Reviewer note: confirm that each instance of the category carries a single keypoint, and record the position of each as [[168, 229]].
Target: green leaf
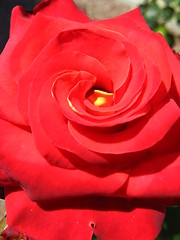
[[94, 237], [178, 18], [176, 237], [161, 29], [151, 14], [165, 14]]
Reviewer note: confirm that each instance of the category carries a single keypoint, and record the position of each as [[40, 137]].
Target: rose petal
[[127, 93], [61, 9], [70, 90], [108, 218], [146, 41], [96, 46], [55, 118], [12, 65], [136, 81], [148, 97], [54, 47], [135, 16], [20, 21], [137, 136], [177, 55], [32, 48], [156, 177], [55, 65], [8, 88], [175, 67], [51, 49], [46, 139], [20, 161], [169, 143]]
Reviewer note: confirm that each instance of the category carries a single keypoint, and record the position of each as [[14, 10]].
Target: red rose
[[90, 123]]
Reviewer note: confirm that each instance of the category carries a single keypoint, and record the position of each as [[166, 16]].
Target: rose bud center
[[100, 98]]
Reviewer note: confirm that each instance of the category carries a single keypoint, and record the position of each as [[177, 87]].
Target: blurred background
[[161, 15]]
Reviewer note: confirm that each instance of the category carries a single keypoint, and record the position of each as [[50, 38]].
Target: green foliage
[[94, 237], [158, 13], [171, 226]]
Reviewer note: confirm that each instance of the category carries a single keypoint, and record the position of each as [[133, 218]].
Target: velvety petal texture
[[89, 125], [79, 218]]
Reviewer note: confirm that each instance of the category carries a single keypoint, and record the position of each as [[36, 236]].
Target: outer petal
[[136, 16], [21, 162], [158, 177], [175, 67], [78, 218], [8, 89], [61, 9], [177, 55], [20, 21]]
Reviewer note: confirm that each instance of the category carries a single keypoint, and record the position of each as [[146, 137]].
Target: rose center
[[100, 98]]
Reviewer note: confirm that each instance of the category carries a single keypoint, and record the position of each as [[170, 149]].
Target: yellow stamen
[[101, 98]]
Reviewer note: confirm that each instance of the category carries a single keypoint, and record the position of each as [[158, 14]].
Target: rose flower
[[90, 125]]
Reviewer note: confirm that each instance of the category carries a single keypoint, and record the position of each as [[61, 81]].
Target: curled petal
[[61, 9], [138, 135], [20, 21], [96, 45], [146, 41]]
